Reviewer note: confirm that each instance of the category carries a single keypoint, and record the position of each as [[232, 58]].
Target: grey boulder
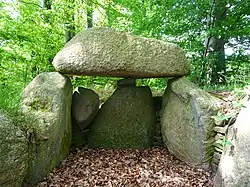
[[85, 105], [46, 106], [187, 126], [13, 153], [108, 52], [125, 120], [234, 166]]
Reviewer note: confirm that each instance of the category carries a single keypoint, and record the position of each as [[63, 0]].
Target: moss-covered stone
[[13, 153], [46, 107], [126, 120], [187, 126]]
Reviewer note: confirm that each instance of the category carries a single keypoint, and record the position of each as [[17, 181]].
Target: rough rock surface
[[13, 153], [108, 52], [46, 106], [187, 126], [234, 166], [127, 82], [85, 105], [126, 120]]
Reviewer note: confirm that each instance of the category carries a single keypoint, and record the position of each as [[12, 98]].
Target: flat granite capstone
[[109, 52]]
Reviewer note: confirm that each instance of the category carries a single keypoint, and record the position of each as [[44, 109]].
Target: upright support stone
[[126, 120], [234, 166], [187, 126], [13, 153], [46, 106]]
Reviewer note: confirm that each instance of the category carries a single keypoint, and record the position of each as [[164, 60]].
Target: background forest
[[215, 35]]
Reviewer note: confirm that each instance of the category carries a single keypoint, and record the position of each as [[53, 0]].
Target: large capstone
[[46, 106], [126, 120], [234, 166], [108, 52], [187, 126], [13, 153]]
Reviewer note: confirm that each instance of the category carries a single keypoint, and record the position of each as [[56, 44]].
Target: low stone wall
[[220, 141]]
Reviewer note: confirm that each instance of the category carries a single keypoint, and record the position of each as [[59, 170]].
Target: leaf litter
[[152, 167]]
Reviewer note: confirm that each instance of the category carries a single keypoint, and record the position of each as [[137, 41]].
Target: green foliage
[[31, 34], [10, 98], [224, 142], [237, 102], [223, 117]]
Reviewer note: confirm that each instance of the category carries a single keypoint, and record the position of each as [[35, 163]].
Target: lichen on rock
[[109, 52], [46, 106], [187, 126], [13, 152], [126, 120]]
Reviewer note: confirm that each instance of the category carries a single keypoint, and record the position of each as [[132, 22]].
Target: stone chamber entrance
[[151, 140]]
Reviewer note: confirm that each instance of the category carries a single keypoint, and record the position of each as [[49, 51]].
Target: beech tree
[[33, 31], [202, 28]]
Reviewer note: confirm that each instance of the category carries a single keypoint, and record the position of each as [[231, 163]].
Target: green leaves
[[224, 142], [31, 34], [223, 117]]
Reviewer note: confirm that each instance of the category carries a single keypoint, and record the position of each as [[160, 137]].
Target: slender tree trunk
[[89, 14], [47, 4], [70, 29], [214, 61], [109, 15], [219, 71]]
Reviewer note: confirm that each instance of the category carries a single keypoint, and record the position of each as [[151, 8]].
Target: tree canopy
[[33, 31]]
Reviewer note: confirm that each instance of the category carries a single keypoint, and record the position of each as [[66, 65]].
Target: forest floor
[[154, 167]]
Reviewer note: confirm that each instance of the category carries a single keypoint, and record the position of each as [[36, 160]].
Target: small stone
[[219, 122], [216, 158], [126, 82], [85, 105], [219, 137], [221, 130]]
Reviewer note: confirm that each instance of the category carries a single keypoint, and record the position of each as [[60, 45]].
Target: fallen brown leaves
[[131, 168]]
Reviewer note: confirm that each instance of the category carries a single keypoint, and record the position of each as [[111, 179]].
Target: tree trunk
[[215, 52], [70, 29], [89, 14], [47, 4], [218, 62], [219, 70]]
